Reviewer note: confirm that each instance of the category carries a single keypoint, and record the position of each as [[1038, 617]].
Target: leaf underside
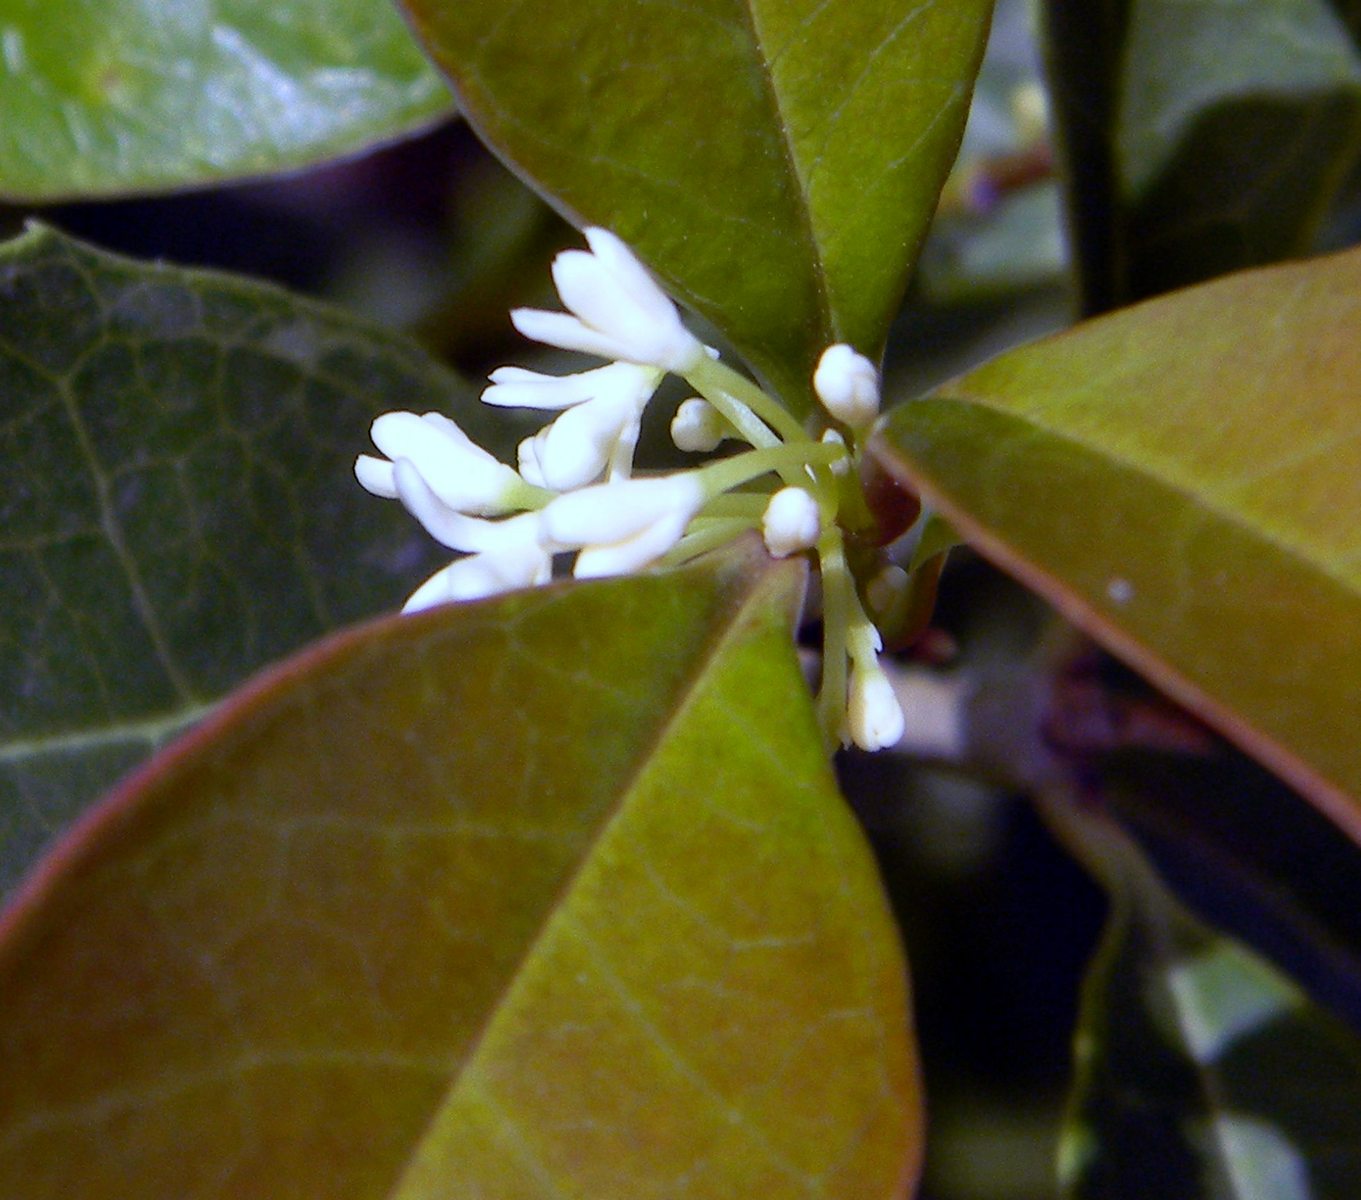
[[548, 895], [1182, 480]]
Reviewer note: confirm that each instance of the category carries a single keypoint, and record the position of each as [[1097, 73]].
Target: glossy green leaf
[[179, 506], [551, 895], [1200, 137], [109, 96], [1182, 479], [776, 161], [1202, 1071]]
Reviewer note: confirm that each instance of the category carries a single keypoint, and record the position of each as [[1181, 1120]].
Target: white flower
[[622, 527], [616, 310], [479, 575], [599, 429], [792, 522], [462, 474], [848, 385], [698, 426], [874, 718]]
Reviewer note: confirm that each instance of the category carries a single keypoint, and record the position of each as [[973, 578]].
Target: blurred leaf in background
[[102, 97]]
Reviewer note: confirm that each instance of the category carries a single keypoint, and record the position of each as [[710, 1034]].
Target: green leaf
[[110, 96], [548, 895], [1200, 137], [179, 505], [1202, 1071], [776, 161], [1182, 479]]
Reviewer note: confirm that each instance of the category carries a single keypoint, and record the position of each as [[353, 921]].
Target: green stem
[[789, 462], [726, 390], [746, 505], [838, 592], [709, 536]]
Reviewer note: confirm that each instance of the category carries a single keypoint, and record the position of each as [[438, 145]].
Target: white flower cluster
[[574, 490]]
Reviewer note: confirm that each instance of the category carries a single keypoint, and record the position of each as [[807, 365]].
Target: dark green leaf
[[179, 506], [1202, 1071], [1200, 137], [544, 896], [107, 96], [776, 161]]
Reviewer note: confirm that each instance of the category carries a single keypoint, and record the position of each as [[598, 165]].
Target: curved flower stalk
[[574, 490]]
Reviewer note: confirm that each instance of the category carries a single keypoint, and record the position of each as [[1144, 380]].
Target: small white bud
[[792, 522], [698, 426], [848, 385], [874, 718]]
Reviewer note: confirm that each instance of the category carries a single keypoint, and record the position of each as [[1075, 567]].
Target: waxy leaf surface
[[1183, 479], [552, 895], [1200, 137], [776, 161], [179, 506], [1202, 1072], [110, 96]]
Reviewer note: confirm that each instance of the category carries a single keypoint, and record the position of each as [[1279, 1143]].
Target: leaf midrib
[[1169, 480], [803, 204], [722, 634]]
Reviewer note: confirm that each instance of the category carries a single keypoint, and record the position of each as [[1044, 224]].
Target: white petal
[[441, 522], [515, 387], [566, 332], [630, 274], [530, 456], [458, 471], [792, 522], [375, 475], [481, 575], [580, 443], [611, 512]]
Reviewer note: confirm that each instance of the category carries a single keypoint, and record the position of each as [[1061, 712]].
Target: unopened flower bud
[[792, 522], [874, 718], [697, 426], [848, 385]]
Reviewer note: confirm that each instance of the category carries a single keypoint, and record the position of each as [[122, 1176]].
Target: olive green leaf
[[111, 96], [549, 895], [1183, 480], [1201, 1070], [776, 161], [1200, 137], [179, 506]]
